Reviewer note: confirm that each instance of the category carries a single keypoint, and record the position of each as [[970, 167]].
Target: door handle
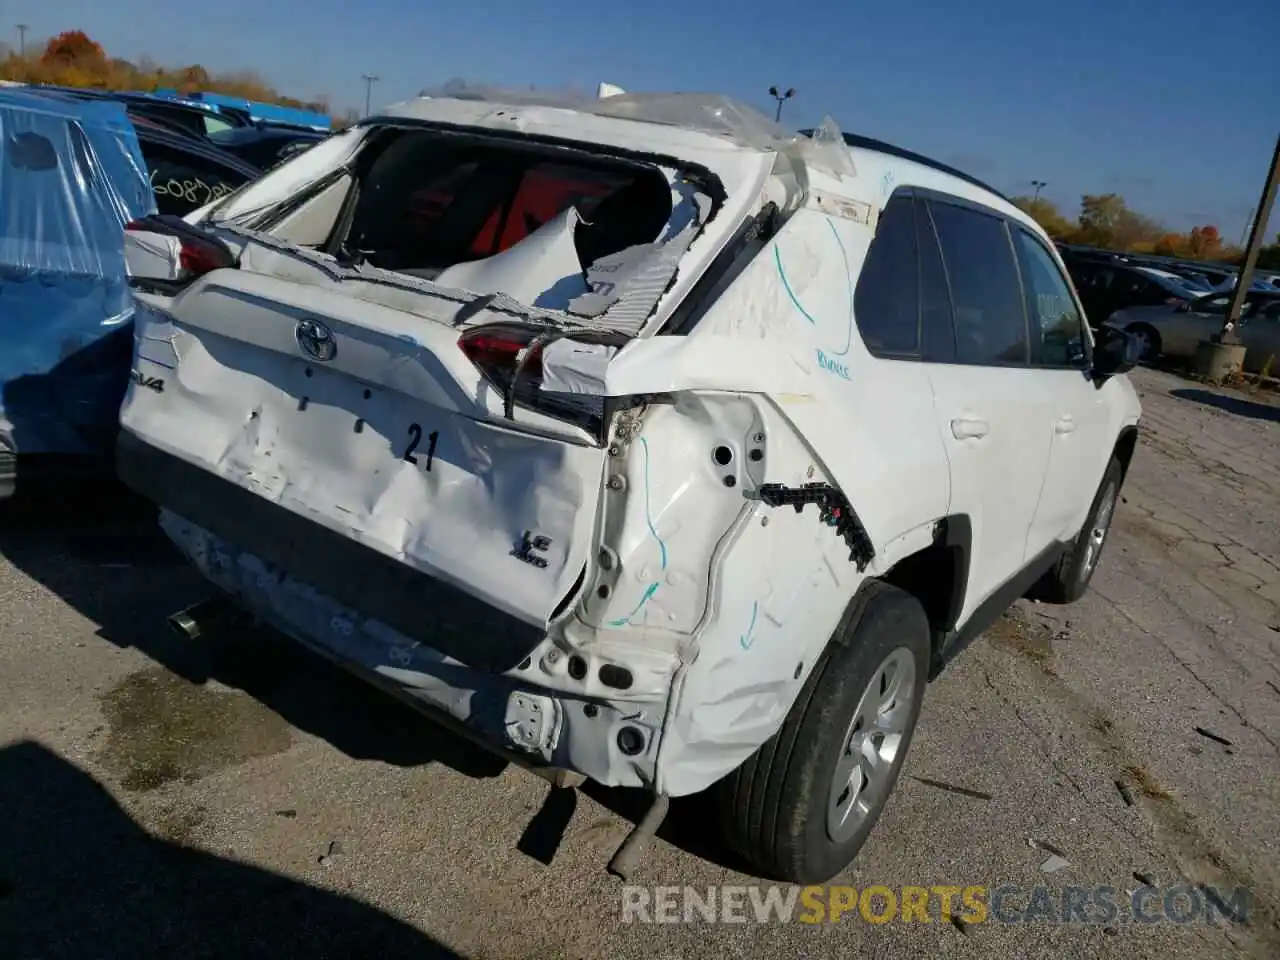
[[1064, 424], [964, 428]]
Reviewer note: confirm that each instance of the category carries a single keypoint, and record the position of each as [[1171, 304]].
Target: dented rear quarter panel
[[751, 594]]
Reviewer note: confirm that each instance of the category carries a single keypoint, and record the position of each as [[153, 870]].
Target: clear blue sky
[[1155, 101]]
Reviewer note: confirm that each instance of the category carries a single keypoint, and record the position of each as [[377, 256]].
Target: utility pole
[[781, 98], [1244, 232], [369, 80], [1039, 185], [1256, 235], [22, 39]]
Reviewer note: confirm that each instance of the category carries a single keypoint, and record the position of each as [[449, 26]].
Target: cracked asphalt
[[239, 798]]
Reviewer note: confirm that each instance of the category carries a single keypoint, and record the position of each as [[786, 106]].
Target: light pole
[[1245, 278], [369, 80], [22, 39], [1039, 185], [781, 98]]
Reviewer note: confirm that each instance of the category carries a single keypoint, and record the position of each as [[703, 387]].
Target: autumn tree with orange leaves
[[74, 59], [1106, 221]]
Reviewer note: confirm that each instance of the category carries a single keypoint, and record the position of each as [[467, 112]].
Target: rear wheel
[[800, 808], [1148, 340], [1069, 578]]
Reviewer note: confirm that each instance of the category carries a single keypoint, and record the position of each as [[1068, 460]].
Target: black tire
[[1068, 579], [1154, 347], [774, 807]]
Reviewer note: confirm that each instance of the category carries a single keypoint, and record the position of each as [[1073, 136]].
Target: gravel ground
[[242, 799]]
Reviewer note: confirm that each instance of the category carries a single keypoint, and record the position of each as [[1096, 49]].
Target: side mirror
[[1114, 353]]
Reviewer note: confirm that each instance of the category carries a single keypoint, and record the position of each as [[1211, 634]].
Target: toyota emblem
[[315, 339]]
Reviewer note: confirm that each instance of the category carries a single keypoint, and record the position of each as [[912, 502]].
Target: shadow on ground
[[103, 554], [79, 878], [1236, 405]]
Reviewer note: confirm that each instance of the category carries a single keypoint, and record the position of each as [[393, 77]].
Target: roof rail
[[869, 143]]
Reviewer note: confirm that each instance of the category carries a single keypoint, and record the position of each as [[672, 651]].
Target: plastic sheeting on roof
[[71, 176], [709, 113]]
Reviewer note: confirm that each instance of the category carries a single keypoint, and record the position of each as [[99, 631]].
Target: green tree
[[1106, 221], [1269, 256], [1047, 214]]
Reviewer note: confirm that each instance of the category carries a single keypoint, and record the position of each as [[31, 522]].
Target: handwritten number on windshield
[[193, 191]]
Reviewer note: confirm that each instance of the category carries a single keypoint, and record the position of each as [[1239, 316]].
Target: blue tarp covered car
[[71, 177]]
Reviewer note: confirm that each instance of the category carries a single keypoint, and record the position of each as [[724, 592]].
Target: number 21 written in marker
[[415, 438]]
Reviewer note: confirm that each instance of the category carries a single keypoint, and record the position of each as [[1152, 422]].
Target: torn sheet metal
[[719, 116], [625, 287], [542, 270], [569, 366], [71, 177], [660, 365], [153, 255]]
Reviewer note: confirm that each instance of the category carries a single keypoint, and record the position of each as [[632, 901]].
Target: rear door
[[1079, 416], [993, 413]]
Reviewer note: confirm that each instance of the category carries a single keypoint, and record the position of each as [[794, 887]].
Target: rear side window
[[937, 327], [183, 181], [986, 293], [886, 303]]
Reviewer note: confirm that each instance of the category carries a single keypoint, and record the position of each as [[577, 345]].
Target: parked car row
[[1169, 305], [214, 136], [1176, 330], [1207, 275]]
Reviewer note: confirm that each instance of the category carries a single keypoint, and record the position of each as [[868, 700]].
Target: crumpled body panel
[[584, 741]]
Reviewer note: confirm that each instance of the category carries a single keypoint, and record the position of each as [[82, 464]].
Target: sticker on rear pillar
[[830, 360]]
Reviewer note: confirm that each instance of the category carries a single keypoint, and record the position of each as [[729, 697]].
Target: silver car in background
[[1175, 331]]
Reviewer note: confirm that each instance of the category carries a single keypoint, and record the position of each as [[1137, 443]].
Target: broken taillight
[[510, 358], [496, 351]]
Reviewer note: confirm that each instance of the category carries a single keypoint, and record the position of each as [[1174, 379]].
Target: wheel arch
[[1126, 444], [938, 575]]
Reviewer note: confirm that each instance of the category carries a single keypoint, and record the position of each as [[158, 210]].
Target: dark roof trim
[[198, 148], [868, 143]]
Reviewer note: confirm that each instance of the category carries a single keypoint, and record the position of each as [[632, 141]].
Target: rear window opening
[[429, 201], [553, 227]]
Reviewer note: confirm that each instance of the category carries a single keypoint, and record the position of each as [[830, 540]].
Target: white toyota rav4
[[637, 438]]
